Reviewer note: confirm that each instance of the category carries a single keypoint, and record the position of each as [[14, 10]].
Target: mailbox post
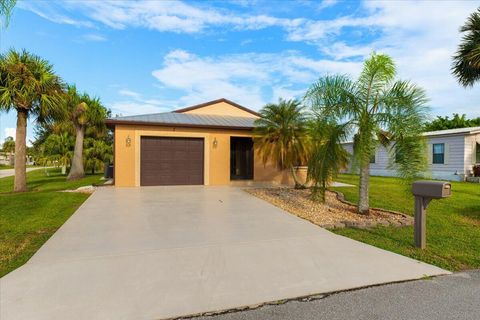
[[424, 192]]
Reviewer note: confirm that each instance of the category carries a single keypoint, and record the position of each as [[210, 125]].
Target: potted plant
[[476, 170]]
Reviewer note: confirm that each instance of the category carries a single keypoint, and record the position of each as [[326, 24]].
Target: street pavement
[[455, 296]]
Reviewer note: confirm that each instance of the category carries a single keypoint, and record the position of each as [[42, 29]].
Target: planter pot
[[476, 170]]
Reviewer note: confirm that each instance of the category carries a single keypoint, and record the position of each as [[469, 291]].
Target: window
[[438, 153], [372, 158], [478, 152], [398, 156]]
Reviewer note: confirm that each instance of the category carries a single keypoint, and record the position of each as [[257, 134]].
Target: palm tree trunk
[[298, 185], [20, 184], [363, 206], [77, 171]]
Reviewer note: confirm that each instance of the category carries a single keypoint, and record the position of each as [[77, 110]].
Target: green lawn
[[453, 224], [28, 219]]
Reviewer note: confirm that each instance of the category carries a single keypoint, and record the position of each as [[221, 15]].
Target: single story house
[[451, 154], [206, 144]]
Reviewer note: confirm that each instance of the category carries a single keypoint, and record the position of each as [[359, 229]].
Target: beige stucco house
[[206, 144]]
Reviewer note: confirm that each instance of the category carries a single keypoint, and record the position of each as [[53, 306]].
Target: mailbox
[[424, 192], [432, 189]]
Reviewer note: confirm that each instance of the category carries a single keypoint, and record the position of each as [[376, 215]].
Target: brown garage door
[[171, 161]]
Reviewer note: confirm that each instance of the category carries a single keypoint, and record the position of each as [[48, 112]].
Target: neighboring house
[[7, 158], [206, 144], [451, 154]]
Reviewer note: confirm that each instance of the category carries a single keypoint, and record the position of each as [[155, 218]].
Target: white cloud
[[250, 79], [126, 108], [421, 38], [93, 37], [9, 132], [172, 16], [46, 11], [327, 3], [134, 103], [129, 93]]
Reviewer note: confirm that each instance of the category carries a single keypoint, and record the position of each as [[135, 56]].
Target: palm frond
[[6, 10], [466, 61], [333, 97]]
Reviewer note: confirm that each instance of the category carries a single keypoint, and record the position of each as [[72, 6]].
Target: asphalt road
[[455, 296]]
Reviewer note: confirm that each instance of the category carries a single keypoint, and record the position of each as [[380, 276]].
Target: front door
[[241, 158]]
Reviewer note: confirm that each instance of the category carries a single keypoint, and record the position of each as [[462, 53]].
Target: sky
[[155, 56]]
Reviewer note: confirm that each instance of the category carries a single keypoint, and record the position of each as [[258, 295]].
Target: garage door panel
[[171, 161]]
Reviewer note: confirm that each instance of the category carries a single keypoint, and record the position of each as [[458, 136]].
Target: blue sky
[[148, 56]]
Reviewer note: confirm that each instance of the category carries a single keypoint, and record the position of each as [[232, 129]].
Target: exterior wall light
[[128, 141], [215, 142]]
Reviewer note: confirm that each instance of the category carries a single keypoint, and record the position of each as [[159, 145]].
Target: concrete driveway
[[160, 252]]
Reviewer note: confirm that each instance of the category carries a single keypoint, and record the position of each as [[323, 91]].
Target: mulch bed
[[334, 213]]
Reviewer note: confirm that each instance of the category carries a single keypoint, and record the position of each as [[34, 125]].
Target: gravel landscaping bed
[[334, 213]]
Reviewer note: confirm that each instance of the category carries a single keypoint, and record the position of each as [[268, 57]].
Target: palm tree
[[29, 85], [97, 153], [466, 61], [327, 155], [8, 145], [281, 135], [57, 150], [84, 111], [379, 109], [8, 148]]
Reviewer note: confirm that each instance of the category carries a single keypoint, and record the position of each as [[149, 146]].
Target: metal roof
[[447, 132], [452, 131], [184, 119]]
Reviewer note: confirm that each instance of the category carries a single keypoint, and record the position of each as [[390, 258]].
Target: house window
[[438, 153], [398, 156], [372, 158], [478, 152]]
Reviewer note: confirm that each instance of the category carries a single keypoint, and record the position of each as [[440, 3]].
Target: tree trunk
[[20, 184], [363, 206], [298, 185], [77, 171]]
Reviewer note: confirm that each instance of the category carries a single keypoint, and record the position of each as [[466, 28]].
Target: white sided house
[[451, 154]]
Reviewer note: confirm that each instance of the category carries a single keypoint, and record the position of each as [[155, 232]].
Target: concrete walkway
[[11, 172], [160, 252]]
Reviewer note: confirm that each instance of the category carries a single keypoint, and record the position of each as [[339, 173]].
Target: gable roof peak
[[209, 103]]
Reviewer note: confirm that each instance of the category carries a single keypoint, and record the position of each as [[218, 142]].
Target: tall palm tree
[[29, 85], [84, 111], [379, 109], [281, 135], [466, 61]]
